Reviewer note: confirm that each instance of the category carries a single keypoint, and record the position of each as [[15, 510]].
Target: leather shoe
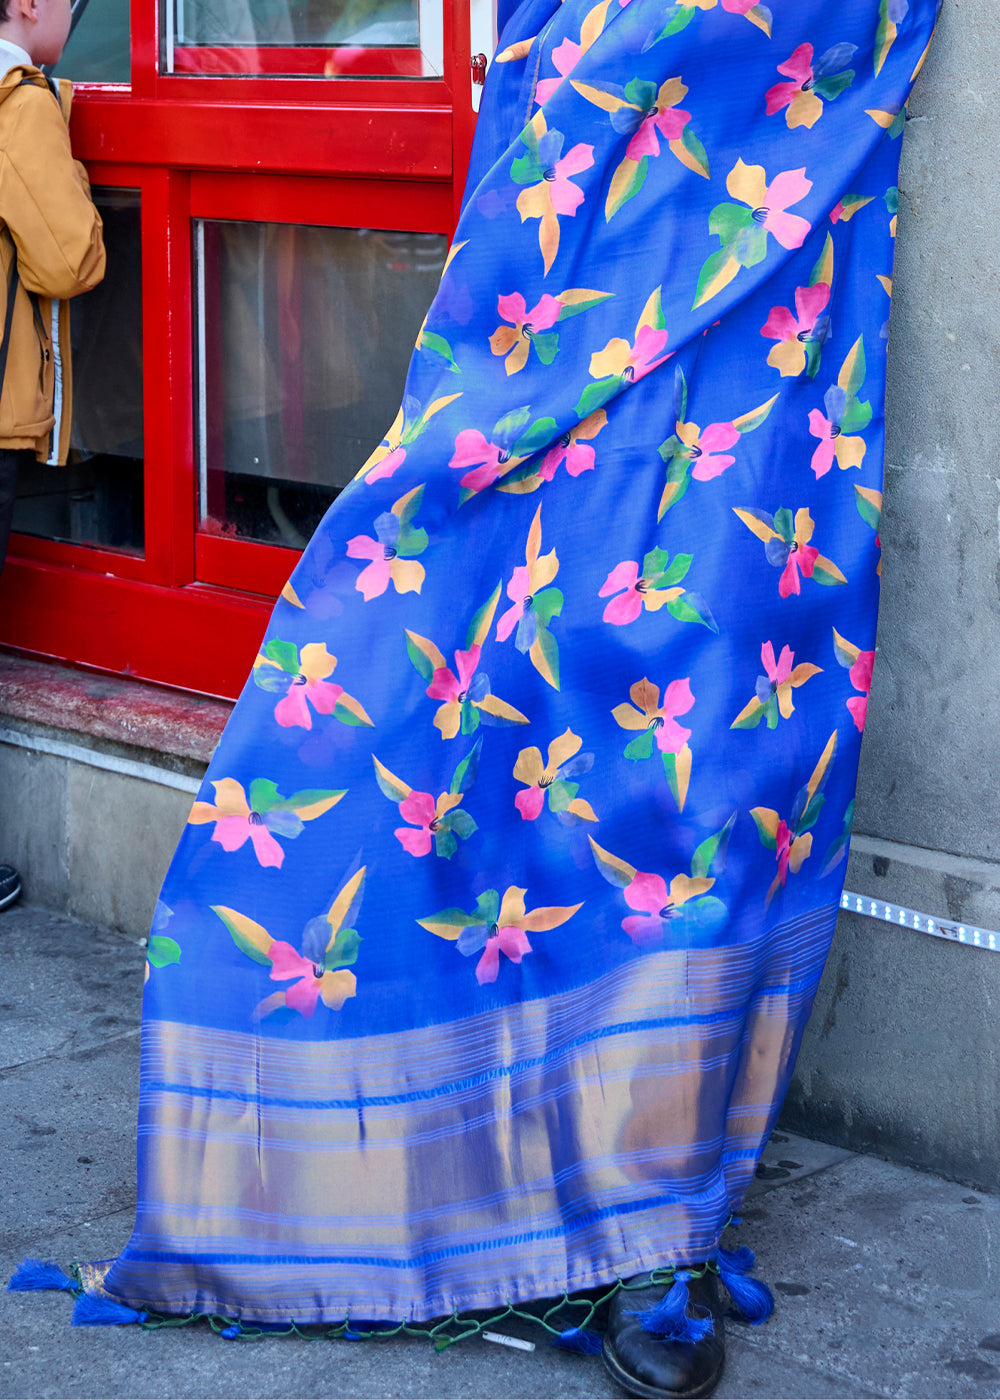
[[650, 1366]]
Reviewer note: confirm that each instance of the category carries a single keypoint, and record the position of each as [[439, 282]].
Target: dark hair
[[3, 12]]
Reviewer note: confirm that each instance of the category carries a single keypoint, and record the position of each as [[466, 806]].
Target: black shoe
[[646, 1365], [10, 885]]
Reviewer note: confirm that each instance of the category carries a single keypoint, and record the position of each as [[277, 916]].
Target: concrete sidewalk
[[887, 1280]]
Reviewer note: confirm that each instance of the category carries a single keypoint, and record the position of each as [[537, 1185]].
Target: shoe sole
[[9, 899], [649, 1392]]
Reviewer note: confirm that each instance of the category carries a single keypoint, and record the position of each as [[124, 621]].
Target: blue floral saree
[[480, 971]]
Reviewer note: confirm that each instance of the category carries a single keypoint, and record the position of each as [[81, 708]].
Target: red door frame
[[343, 152]]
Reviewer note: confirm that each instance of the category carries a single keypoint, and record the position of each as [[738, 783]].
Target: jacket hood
[[14, 77]]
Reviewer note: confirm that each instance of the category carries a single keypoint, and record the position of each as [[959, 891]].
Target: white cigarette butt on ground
[[508, 1341]]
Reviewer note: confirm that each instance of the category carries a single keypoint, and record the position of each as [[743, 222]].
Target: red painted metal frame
[[336, 62], [377, 153]]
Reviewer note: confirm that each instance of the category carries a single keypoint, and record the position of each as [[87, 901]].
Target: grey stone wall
[[903, 1051]]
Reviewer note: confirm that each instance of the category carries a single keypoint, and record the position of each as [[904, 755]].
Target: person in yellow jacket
[[51, 248]]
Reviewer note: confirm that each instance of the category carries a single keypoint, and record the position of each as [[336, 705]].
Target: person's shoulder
[[23, 80], [27, 96]]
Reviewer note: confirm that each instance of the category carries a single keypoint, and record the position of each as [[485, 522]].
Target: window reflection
[[317, 38], [304, 338], [297, 22], [97, 498], [98, 48]]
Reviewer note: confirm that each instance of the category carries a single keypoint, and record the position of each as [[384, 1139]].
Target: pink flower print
[[783, 842], [668, 122], [304, 676], [799, 336], [258, 820], [769, 202], [496, 926], [786, 547], [407, 575], [573, 450], [424, 815], [773, 692], [546, 174], [791, 850], [677, 700], [490, 459], [859, 665], [801, 560], [792, 840], [800, 99], [308, 986], [707, 448], [410, 422], [660, 721], [564, 196], [657, 904], [777, 672], [627, 605], [511, 941], [472, 450], [235, 823], [549, 779], [533, 605], [861, 679], [386, 464], [630, 362], [847, 451], [514, 340], [310, 688], [804, 107], [565, 57], [456, 690], [420, 810], [320, 971], [635, 591]]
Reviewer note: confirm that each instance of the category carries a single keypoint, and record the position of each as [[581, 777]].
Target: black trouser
[[11, 458]]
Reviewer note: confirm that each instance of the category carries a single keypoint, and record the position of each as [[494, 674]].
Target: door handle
[[483, 42]]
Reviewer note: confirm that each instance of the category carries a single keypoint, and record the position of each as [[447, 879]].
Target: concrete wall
[[89, 841], [903, 1051]]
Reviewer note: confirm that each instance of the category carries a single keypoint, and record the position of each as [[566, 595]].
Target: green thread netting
[[444, 1333]]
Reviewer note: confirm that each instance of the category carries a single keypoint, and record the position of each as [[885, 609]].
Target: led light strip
[[922, 923]]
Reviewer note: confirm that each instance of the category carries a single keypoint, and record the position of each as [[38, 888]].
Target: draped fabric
[[481, 968]]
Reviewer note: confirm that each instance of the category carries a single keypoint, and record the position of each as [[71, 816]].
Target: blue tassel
[[669, 1317], [38, 1274], [751, 1297], [579, 1339], [93, 1311], [231, 1333]]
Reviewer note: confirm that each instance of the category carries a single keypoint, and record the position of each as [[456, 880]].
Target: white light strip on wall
[[94, 758], [923, 923]]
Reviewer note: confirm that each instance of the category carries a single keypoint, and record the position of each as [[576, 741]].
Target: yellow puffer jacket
[[46, 213]]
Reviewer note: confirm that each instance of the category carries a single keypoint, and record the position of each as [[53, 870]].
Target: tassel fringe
[[669, 1317], [751, 1297], [93, 1311], [36, 1275], [579, 1339]]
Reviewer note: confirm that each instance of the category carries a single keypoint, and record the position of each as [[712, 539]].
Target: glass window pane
[[304, 336], [97, 498], [312, 38], [98, 47]]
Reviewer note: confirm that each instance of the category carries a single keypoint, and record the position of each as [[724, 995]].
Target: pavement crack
[[66, 1054]]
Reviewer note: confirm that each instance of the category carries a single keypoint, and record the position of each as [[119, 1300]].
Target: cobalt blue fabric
[[482, 965]]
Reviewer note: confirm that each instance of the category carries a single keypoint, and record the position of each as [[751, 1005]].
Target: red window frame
[[344, 152]]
